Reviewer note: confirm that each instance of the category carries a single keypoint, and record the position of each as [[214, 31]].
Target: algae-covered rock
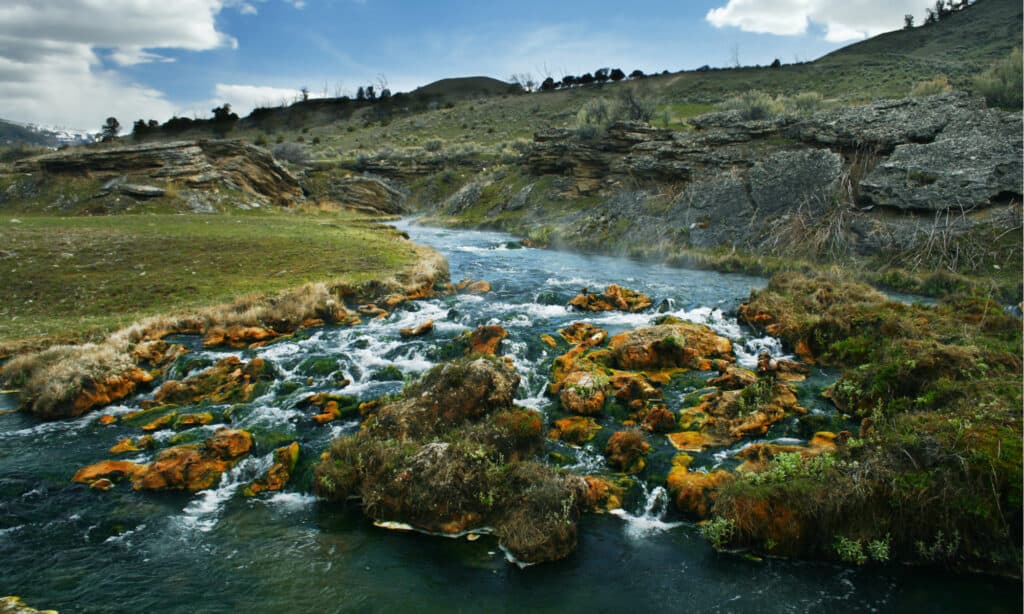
[[576, 430], [485, 339], [228, 381], [195, 467], [583, 333], [14, 605], [583, 392], [279, 473], [626, 451]]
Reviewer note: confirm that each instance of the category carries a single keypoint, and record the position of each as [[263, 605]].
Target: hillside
[[465, 87]]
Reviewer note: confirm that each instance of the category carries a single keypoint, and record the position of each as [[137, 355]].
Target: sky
[[73, 63]]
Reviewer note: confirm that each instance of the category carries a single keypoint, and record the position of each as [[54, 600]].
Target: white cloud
[[245, 98], [50, 65], [843, 20]]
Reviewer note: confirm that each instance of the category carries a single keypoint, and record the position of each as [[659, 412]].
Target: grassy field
[[76, 278]]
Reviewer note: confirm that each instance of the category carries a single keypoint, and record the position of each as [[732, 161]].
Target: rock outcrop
[[366, 194], [204, 167]]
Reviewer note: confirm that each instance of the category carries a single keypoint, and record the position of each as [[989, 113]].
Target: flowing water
[[67, 547]]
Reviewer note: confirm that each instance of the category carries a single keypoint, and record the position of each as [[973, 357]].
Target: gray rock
[[973, 162], [791, 180], [884, 124]]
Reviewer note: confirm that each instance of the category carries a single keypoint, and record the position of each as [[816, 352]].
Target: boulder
[[486, 339], [669, 346]]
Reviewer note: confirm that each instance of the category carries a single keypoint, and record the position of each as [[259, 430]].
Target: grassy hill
[[465, 87]]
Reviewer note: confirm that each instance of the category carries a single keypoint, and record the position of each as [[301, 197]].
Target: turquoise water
[[67, 547]]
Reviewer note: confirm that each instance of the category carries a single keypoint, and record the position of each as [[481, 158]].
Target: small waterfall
[[650, 518]]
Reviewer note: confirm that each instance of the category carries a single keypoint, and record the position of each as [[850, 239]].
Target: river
[[67, 547]]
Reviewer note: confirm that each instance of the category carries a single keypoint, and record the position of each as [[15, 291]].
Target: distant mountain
[[29, 134]]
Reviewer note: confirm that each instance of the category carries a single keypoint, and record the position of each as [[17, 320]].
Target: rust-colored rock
[[477, 287], [128, 445], [107, 420], [626, 451], [189, 420], [734, 377], [238, 336], [110, 470], [633, 389], [195, 467], [279, 473], [99, 393], [486, 339], [603, 493], [583, 333], [783, 370], [417, 331], [548, 340], [373, 311], [695, 492], [161, 422], [659, 419], [583, 393], [613, 298], [669, 346], [576, 430], [156, 352]]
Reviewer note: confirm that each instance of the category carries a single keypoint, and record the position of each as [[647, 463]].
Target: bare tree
[[523, 80], [734, 55], [304, 91]]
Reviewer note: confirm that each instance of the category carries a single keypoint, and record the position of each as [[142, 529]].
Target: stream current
[[67, 547]]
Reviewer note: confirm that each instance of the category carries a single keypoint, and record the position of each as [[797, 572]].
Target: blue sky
[[73, 62]]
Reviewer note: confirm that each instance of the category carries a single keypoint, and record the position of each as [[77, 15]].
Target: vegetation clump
[[1002, 84], [452, 455], [938, 393]]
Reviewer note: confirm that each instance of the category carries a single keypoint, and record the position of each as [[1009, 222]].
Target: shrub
[[291, 152], [261, 140], [433, 145], [753, 105], [718, 532], [805, 102], [938, 85], [1001, 85]]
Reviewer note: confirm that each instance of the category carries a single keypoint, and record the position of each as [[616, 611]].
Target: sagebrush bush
[[938, 85], [753, 105], [291, 152], [805, 102], [1001, 85]]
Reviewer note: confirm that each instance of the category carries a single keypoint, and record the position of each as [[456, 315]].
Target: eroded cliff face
[[197, 172], [885, 177]]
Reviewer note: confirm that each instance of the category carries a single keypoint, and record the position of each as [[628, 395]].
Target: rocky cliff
[[201, 172], [891, 177]]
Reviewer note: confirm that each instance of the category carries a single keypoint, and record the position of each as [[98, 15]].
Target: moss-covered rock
[[453, 454]]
